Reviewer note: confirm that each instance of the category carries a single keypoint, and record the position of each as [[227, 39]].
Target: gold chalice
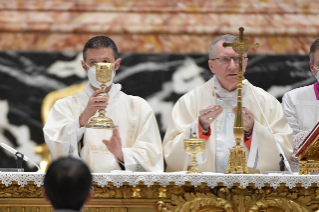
[[194, 146], [103, 75]]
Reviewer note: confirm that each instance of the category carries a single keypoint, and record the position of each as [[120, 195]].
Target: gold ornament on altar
[[103, 75], [237, 163], [194, 146]]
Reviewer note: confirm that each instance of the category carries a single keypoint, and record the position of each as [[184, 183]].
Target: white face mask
[[92, 76]]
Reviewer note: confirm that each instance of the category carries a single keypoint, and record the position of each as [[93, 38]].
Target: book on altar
[[309, 148]]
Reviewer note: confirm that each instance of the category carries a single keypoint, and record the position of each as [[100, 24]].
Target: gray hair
[[313, 48], [227, 38]]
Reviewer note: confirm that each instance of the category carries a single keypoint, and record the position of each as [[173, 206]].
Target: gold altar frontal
[[186, 197]]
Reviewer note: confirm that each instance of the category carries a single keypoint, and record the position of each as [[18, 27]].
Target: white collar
[[113, 93], [222, 92]]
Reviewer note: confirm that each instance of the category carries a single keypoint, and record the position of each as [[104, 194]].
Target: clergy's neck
[[107, 89], [229, 88]]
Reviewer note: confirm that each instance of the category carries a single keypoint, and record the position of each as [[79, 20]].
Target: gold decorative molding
[[136, 192], [15, 198], [25, 209], [239, 199], [19, 191], [162, 192]]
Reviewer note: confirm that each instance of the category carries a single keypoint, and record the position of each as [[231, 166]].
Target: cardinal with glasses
[[209, 111], [301, 106]]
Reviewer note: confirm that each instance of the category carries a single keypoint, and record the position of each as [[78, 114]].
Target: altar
[[159, 192]]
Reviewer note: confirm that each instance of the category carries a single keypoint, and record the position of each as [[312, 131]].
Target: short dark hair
[[313, 48], [100, 42], [67, 183]]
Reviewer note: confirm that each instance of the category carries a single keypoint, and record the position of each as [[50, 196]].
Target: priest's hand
[[208, 115], [114, 145], [95, 103], [248, 119]]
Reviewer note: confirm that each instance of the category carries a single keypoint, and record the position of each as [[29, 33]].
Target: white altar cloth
[[178, 178]]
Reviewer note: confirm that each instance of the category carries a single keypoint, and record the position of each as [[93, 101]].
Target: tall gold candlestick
[[237, 163]]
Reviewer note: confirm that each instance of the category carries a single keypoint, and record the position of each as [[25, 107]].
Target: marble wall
[[171, 26], [163, 44]]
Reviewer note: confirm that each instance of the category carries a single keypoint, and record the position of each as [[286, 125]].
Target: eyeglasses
[[225, 60], [317, 69]]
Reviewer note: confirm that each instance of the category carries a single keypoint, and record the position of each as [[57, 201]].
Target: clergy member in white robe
[[301, 106], [208, 110], [135, 145]]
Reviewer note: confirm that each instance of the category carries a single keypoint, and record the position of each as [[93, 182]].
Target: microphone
[[281, 152], [18, 154]]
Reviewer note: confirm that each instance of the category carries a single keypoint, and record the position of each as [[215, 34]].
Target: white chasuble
[[301, 108], [141, 142], [184, 120]]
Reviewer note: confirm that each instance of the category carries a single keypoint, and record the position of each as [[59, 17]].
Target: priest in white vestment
[[208, 111], [301, 106], [134, 146]]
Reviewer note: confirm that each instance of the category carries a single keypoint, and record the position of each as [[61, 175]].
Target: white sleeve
[[62, 131], [290, 113], [146, 154]]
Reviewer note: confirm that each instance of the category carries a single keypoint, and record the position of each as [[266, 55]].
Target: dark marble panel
[[27, 77]]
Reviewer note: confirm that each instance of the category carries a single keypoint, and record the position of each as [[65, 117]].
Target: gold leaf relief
[[198, 201], [127, 192], [18, 191], [304, 200], [105, 192]]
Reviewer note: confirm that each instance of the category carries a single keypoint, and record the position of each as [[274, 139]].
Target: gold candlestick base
[[194, 146], [237, 163]]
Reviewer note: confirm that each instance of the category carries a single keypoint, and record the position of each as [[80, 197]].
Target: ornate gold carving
[[308, 160], [162, 192], [306, 166], [104, 209], [106, 192], [19, 191], [160, 206], [311, 152], [23, 209], [178, 198], [240, 199], [136, 192]]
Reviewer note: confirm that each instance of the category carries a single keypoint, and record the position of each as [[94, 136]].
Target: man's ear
[[312, 69], [84, 66], [211, 67], [117, 64]]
